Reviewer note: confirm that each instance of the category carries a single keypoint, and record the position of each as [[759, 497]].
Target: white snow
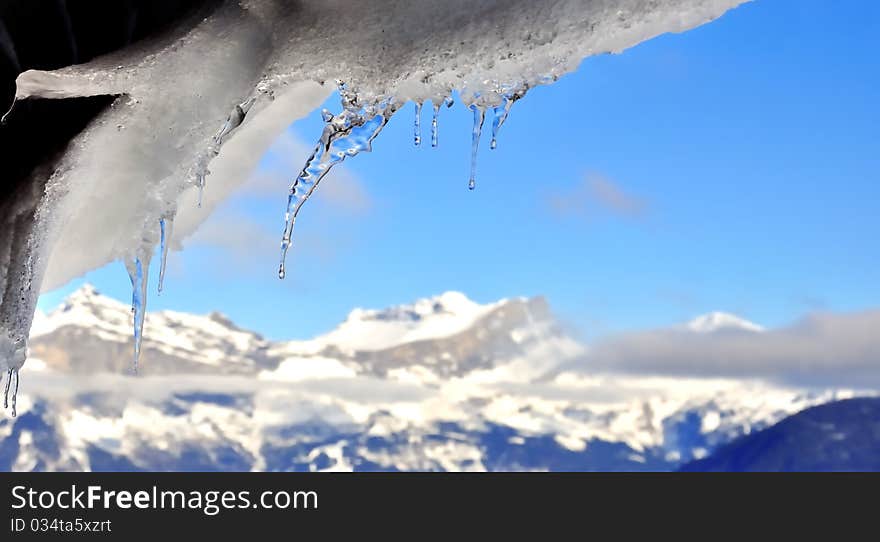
[[297, 369], [572, 407], [370, 330], [715, 321], [211, 339]]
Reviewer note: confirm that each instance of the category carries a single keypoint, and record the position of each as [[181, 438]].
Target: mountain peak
[[427, 318], [88, 298], [449, 303], [717, 320], [86, 291]]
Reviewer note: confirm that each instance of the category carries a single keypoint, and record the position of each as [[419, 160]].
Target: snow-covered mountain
[[442, 384], [719, 321]]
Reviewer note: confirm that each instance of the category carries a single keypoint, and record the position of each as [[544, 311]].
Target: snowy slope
[[91, 332], [430, 318]]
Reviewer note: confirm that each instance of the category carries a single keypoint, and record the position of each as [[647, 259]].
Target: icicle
[[138, 269], [479, 118], [236, 117], [417, 128], [510, 96], [5, 116], [6, 393], [435, 139], [10, 375], [166, 225], [434, 136], [501, 113], [344, 135], [233, 121], [200, 182], [15, 373]]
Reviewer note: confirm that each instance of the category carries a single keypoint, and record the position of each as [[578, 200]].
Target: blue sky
[[733, 167]]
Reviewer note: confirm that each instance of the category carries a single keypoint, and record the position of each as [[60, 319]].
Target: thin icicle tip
[[11, 374], [479, 119], [417, 125], [347, 134], [138, 269], [166, 227]]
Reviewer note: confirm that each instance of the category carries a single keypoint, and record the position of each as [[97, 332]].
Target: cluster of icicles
[[346, 134]]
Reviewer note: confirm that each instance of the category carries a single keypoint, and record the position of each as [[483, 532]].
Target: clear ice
[[417, 128], [435, 138], [236, 117], [138, 268], [502, 111], [10, 375], [166, 227], [347, 134], [233, 121], [479, 118]]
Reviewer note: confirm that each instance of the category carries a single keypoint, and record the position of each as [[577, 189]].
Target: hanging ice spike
[[138, 269], [501, 113], [166, 225], [479, 118], [509, 97], [417, 125], [347, 134], [435, 140], [10, 375], [233, 121]]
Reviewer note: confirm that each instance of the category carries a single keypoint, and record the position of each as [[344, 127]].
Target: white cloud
[[596, 194], [821, 349]]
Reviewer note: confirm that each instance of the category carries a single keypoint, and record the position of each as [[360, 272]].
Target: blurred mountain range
[[440, 384]]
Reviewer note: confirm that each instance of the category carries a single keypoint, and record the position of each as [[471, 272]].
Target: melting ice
[[166, 227], [137, 268], [233, 121], [11, 374], [350, 132], [479, 118], [360, 122]]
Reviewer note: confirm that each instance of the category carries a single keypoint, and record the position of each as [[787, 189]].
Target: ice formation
[[166, 226], [148, 156]]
